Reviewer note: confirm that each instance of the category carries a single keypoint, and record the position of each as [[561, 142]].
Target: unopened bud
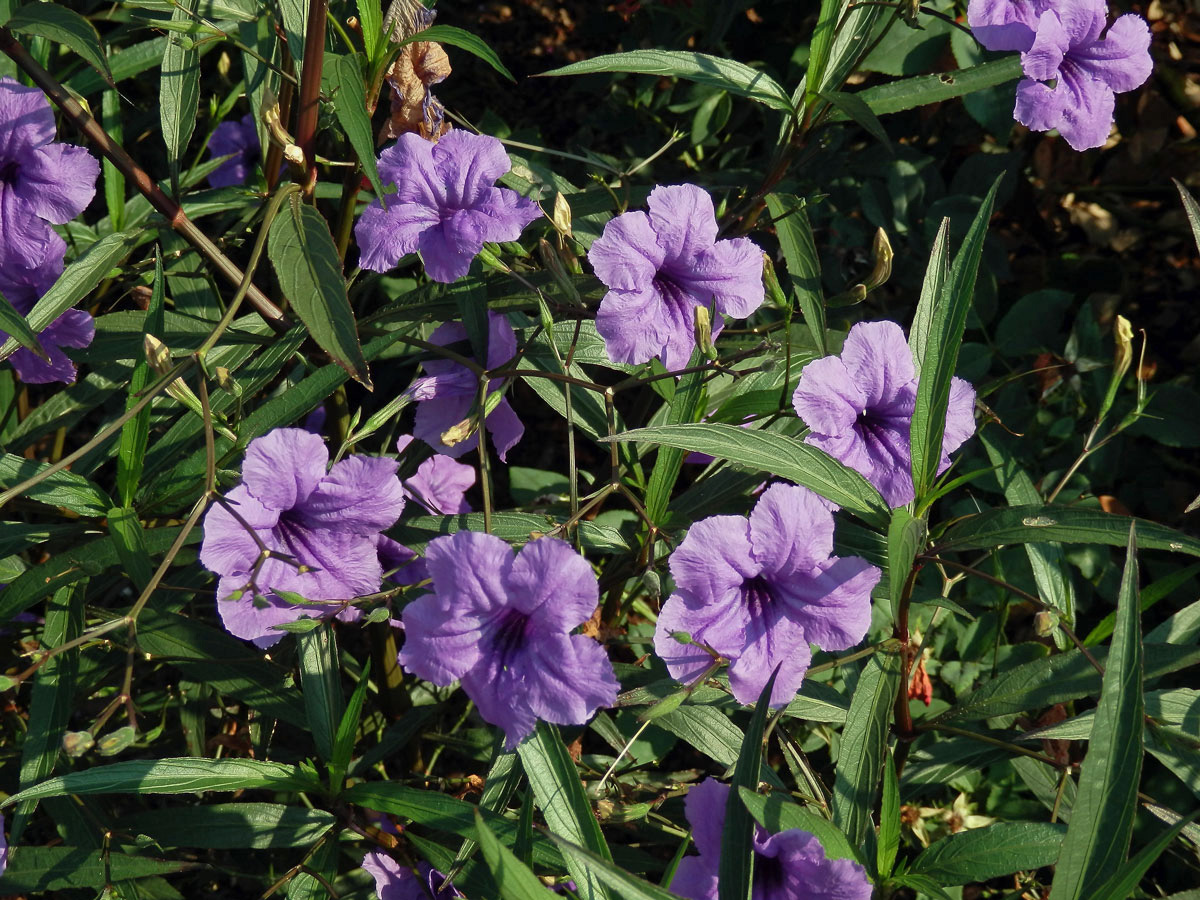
[[490, 259], [561, 217], [882, 249], [652, 583], [1044, 623], [456, 434], [774, 290], [703, 330]]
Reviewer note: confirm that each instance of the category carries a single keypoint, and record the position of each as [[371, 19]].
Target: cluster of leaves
[[1055, 713]]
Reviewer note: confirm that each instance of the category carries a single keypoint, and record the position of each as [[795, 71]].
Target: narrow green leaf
[[778, 454], [559, 792], [370, 17], [324, 862], [513, 877], [123, 64], [52, 700], [937, 273], [735, 873], [726, 74], [130, 541], [173, 776], [853, 107], [920, 90], [295, 26], [320, 679], [498, 788], [14, 324], [820, 47], [803, 264], [75, 283], [776, 813], [906, 537], [59, 23], [622, 883], [1069, 524], [135, 434], [40, 870], [1150, 594], [1192, 208], [686, 407], [179, 92], [65, 489], [941, 352], [463, 40], [864, 743], [1124, 883], [889, 820], [306, 262], [347, 730], [114, 181], [231, 826], [1097, 840], [990, 852], [350, 106], [851, 38]]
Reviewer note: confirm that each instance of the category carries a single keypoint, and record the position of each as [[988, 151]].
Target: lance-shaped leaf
[[350, 105], [513, 877], [57, 22], [803, 264], [991, 852]]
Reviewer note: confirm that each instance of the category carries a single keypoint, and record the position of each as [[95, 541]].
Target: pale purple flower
[[3, 848], [1005, 24], [790, 865], [859, 408], [42, 181], [327, 521], [1084, 70], [500, 623], [449, 390], [440, 484], [23, 286], [445, 206], [239, 138], [659, 266], [758, 591], [396, 882]]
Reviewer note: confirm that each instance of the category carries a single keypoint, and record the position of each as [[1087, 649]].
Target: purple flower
[[1005, 24], [1086, 70], [445, 206], [759, 591], [501, 624], [240, 139], [659, 266], [396, 882], [3, 848], [22, 286], [790, 865], [859, 406], [449, 390], [41, 180], [328, 522], [440, 484]]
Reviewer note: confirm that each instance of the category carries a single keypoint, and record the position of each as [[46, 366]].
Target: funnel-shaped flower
[[501, 624], [445, 206], [790, 865], [859, 406], [659, 266], [239, 141], [759, 591], [288, 504], [396, 882]]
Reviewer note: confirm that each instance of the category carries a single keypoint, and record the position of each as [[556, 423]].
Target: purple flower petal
[[731, 272], [685, 662], [440, 484], [438, 648], [626, 256], [1087, 111], [714, 559], [633, 324], [1122, 60], [385, 235], [827, 398], [505, 428], [878, 361], [1045, 54], [228, 546], [29, 121], [468, 165], [960, 415], [568, 679], [392, 880], [360, 495], [553, 585], [829, 603], [772, 642], [58, 181], [250, 620], [791, 530], [239, 140], [283, 467], [1004, 24], [683, 219], [438, 415], [493, 686]]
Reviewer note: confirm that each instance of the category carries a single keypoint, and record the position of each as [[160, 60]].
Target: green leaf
[[686, 407], [321, 682], [179, 92], [75, 283], [65, 489], [941, 352], [498, 789], [803, 264], [565, 807], [324, 862], [350, 106], [463, 40], [57, 22], [889, 820], [725, 74], [514, 527], [347, 730], [1097, 840], [135, 434], [231, 826], [295, 26], [370, 17], [114, 180], [853, 107], [820, 47], [184, 775], [310, 273], [130, 541], [513, 877], [776, 813], [864, 743], [1069, 524], [1124, 883], [52, 700], [123, 64], [937, 273], [1192, 208], [622, 882], [906, 537], [735, 874], [990, 852], [14, 323], [38, 870], [921, 90], [778, 454]]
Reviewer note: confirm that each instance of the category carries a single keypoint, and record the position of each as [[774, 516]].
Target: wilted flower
[[22, 286], [659, 266], [759, 591], [790, 865], [288, 504], [445, 206], [449, 390], [396, 882], [1085, 70], [420, 66], [240, 139], [41, 181], [501, 624], [859, 406]]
